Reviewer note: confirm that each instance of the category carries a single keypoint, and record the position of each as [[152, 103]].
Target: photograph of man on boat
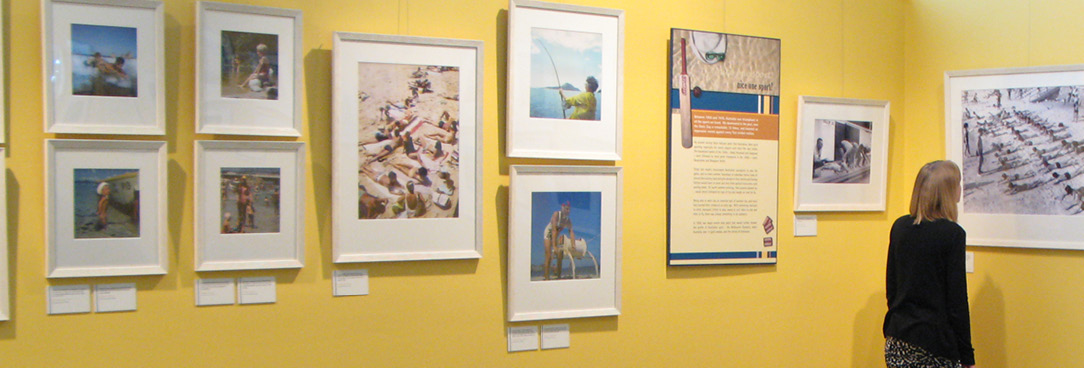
[[565, 69], [408, 141], [104, 60], [250, 65], [106, 203], [250, 199]]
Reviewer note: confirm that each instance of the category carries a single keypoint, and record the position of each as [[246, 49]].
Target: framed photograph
[[248, 59], [842, 155], [5, 302], [103, 65], [1018, 136], [249, 205], [105, 208], [406, 148], [3, 96], [564, 242], [565, 72]]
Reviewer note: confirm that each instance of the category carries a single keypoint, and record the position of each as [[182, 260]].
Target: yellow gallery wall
[[1025, 304], [820, 306]]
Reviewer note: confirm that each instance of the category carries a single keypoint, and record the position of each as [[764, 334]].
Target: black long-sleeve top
[[926, 286]]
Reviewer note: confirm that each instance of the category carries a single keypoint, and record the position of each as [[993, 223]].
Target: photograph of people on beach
[[250, 65], [106, 203], [104, 60], [250, 199], [842, 151], [1022, 150], [565, 228], [408, 141], [566, 68]]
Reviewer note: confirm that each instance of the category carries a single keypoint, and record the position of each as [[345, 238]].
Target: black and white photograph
[[842, 154], [1022, 150], [842, 151]]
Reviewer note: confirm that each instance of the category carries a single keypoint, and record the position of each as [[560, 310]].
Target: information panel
[[724, 149]]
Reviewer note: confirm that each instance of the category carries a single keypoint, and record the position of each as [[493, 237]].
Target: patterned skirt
[[899, 354]]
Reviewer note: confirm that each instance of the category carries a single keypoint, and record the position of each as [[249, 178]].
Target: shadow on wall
[[869, 342], [988, 325]]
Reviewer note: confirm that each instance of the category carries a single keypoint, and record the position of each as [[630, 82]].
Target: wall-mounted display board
[[1019, 139], [565, 72], [248, 59], [5, 303], [249, 205], [842, 155], [564, 242], [105, 208], [407, 150], [103, 65], [724, 148]]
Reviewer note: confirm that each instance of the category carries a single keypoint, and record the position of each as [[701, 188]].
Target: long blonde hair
[[937, 189]]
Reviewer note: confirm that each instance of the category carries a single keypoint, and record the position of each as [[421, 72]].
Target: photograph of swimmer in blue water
[[104, 61]]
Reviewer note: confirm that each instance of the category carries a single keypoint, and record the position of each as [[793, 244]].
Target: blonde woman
[[927, 324]]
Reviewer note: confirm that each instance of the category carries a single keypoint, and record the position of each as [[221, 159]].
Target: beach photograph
[[104, 60], [106, 203], [250, 199], [1022, 150], [842, 151], [250, 65], [565, 228], [408, 141], [565, 71]]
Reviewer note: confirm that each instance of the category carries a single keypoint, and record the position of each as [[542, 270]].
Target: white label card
[[67, 299], [350, 282], [969, 262], [555, 336], [522, 338], [215, 292], [805, 225], [115, 297], [256, 290]]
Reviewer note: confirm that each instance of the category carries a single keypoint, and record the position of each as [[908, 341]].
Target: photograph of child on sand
[[408, 141], [250, 199], [1023, 150], [106, 203], [250, 65], [565, 226], [565, 71], [103, 60], [842, 151]]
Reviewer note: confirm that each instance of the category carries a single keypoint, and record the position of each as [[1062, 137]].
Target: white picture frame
[[850, 172], [3, 91], [572, 32], [132, 240], [447, 75], [275, 235], [264, 41], [1027, 118], [123, 91], [536, 196], [5, 284]]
